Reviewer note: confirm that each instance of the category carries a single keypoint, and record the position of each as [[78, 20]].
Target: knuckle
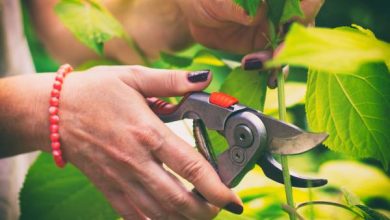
[[172, 81], [179, 201], [149, 136], [193, 170]]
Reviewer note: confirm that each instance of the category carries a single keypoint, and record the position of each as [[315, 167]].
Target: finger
[[273, 77], [181, 158], [163, 83], [310, 8], [117, 198], [173, 194], [256, 61], [136, 192], [159, 106]]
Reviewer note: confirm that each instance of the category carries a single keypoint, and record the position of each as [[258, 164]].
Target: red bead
[[57, 85], [54, 101], [53, 110], [54, 137], [54, 119], [57, 153], [55, 145], [55, 93], [54, 128], [59, 78], [59, 160]]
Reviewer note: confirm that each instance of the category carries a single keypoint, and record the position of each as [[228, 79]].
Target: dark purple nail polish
[[253, 64], [234, 208], [198, 76]]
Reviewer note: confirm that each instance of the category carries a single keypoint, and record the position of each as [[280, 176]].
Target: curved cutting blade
[[287, 139], [273, 170]]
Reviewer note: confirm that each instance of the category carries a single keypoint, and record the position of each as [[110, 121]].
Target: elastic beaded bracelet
[[54, 119]]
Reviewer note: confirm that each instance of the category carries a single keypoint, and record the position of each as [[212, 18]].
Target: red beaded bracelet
[[54, 119]]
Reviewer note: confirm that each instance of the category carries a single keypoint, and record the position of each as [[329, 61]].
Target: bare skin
[[109, 132], [107, 129]]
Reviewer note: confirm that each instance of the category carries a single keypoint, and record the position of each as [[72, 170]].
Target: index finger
[[184, 160]]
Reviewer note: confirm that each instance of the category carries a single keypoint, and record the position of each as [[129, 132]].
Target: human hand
[[222, 24], [109, 132]]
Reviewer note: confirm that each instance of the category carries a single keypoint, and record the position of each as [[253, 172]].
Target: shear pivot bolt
[[243, 136], [237, 155]]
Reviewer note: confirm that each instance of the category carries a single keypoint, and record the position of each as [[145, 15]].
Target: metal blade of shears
[[273, 170], [287, 139]]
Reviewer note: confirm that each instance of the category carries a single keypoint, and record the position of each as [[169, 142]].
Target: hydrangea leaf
[[292, 8], [49, 193], [249, 87], [331, 50], [250, 6], [90, 22], [353, 109]]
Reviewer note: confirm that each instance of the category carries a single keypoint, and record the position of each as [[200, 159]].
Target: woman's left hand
[[223, 24]]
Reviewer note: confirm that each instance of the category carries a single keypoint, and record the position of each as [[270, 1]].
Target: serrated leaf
[[292, 8], [90, 22], [330, 50], [250, 6], [49, 193], [353, 109]]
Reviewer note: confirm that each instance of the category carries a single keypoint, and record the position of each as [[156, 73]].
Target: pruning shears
[[252, 137]]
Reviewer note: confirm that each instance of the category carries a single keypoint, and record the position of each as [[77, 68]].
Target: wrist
[[24, 117]]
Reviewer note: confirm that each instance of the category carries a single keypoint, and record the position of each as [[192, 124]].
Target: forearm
[[24, 114]]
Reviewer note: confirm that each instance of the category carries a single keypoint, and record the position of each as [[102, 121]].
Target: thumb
[[163, 83]]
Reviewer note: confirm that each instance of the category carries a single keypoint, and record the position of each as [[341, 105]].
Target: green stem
[[312, 203], [283, 158]]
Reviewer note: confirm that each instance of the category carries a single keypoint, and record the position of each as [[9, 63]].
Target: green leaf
[[90, 22], [292, 8], [174, 60], [249, 87], [295, 94], [353, 109], [49, 193], [275, 11], [330, 50], [371, 214], [224, 215], [92, 63], [361, 179], [250, 6]]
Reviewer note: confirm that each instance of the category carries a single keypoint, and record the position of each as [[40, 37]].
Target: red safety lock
[[222, 99]]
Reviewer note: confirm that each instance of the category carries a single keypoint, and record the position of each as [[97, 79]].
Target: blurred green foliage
[[262, 197]]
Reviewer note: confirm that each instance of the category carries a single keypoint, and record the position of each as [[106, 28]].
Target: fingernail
[[253, 64], [272, 83], [234, 208], [198, 76]]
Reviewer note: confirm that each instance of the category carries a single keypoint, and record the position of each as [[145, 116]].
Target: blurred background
[[364, 178]]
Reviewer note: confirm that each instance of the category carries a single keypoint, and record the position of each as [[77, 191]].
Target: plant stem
[[283, 158], [312, 203]]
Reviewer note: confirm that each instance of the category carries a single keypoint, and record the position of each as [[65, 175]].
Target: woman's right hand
[[109, 132]]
